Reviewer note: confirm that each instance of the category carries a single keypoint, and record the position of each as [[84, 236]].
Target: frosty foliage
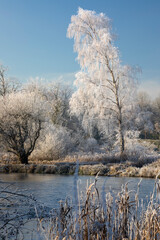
[[48, 120], [144, 120], [106, 88], [7, 84], [21, 104], [37, 117], [54, 143], [57, 96], [137, 150], [21, 118], [89, 145]]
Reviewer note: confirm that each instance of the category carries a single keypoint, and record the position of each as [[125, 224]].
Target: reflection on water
[[21, 176], [50, 189]]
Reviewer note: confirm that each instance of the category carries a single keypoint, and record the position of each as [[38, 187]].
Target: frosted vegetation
[[105, 115], [102, 215], [92, 213]]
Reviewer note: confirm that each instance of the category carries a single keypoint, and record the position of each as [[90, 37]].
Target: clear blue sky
[[33, 36]]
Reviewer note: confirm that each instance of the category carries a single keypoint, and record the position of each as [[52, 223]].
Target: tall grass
[[102, 215]]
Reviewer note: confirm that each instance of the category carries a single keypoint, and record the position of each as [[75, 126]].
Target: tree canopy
[[105, 86]]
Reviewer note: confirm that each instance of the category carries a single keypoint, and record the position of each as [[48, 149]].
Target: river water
[[49, 190]]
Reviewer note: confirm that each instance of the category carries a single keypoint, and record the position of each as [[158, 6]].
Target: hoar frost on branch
[[57, 96], [21, 118], [61, 133], [7, 85], [54, 143], [106, 89]]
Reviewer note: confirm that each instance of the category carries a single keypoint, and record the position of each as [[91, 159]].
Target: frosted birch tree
[[105, 86]]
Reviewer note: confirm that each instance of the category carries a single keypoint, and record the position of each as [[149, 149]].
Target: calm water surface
[[50, 189]]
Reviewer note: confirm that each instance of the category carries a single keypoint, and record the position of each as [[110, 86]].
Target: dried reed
[[100, 215]]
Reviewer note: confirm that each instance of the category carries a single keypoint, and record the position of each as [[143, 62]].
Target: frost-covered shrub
[[89, 145], [136, 149], [141, 151], [54, 144]]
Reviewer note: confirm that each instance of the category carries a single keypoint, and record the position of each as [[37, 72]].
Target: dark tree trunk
[[119, 107], [122, 144], [23, 159], [121, 139]]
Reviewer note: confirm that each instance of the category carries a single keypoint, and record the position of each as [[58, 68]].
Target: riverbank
[[124, 169]]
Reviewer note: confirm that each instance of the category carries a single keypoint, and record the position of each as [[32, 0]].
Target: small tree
[[59, 96], [7, 85], [21, 118]]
